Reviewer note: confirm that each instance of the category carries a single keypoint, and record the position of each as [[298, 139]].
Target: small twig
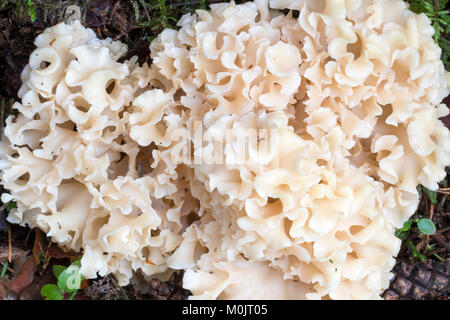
[[444, 230], [420, 245], [145, 10], [8, 267], [37, 246], [438, 250], [114, 9], [439, 257], [443, 191], [27, 237], [47, 259], [442, 202], [16, 252], [438, 238]]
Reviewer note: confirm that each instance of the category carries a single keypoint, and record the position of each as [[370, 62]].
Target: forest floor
[[27, 256]]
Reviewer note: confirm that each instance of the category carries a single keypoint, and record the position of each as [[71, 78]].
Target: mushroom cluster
[[338, 105]]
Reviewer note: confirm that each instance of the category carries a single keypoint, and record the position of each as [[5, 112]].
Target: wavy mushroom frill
[[351, 91], [70, 162]]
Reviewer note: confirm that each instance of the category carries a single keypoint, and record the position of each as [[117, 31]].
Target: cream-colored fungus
[[351, 88]]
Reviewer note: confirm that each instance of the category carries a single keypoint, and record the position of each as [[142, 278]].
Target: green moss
[[437, 12], [203, 4], [21, 7], [156, 15], [31, 9]]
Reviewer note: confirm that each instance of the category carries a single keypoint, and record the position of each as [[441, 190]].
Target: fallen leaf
[[31, 292], [25, 276], [58, 253], [47, 277], [16, 252], [4, 284]]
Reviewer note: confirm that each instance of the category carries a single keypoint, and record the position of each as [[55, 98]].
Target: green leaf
[[41, 257], [5, 266], [407, 225], [145, 24], [415, 253], [419, 190], [51, 292], [432, 195], [431, 247], [438, 257], [442, 4], [444, 43], [203, 4], [77, 262], [58, 269], [426, 226], [11, 206], [403, 231], [70, 279], [72, 295], [442, 21], [427, 6], [31, 10]]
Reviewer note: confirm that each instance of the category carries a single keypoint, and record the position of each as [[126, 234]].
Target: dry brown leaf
[[4, 284], [58, 253], [25, 276], [16, 252], [31, 292]]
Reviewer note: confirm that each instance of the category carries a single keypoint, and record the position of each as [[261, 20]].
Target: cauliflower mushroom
[[350, 89]]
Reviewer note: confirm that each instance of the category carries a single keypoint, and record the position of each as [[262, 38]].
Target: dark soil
[[135, 25]]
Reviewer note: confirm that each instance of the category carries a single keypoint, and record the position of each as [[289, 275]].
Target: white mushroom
[[340, 112]]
